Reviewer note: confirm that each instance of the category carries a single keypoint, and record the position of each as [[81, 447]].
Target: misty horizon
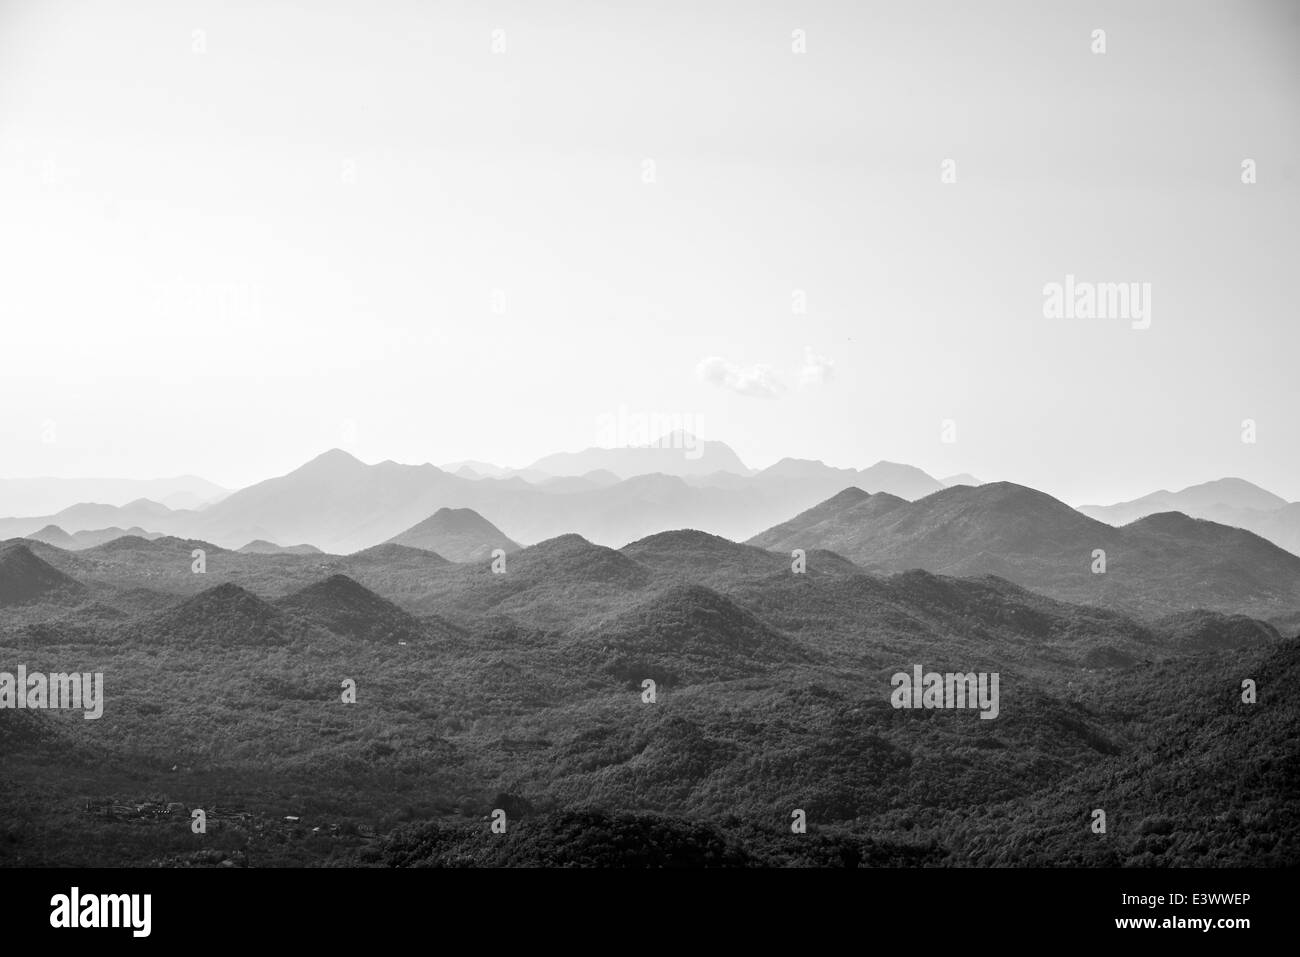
[[662, 442]]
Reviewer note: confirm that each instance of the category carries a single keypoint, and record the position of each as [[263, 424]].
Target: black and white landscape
[[506, 674], [820, 435]]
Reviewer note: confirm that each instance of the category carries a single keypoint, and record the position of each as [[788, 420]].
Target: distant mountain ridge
[[1228, 501], [1233, 493], [87, 538], [261, 547], [677, 453], [1160, 563], [46, 496], [905, 481], [339, 504]]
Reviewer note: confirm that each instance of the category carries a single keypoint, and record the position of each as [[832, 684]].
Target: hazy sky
[[233, 235]]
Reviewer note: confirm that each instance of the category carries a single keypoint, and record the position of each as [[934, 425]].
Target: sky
[[234, 235]]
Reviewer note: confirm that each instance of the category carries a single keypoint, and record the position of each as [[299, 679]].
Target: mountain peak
[[792, 468], [389, 552], [335, 460], [348, 608], [24, 577], [849, 496], [677, 453], [459, 519], [1231, 491], [225, 614], [568, 542], [338, 589], [1170, 521], [53, 535], [689, 632], [147, 505], [459, 534]]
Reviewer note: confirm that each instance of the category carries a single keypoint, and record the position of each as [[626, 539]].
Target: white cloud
[[816, 370], [759, 381]]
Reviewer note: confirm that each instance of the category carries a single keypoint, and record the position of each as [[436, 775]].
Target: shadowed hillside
[[351, 610], [26, 579]]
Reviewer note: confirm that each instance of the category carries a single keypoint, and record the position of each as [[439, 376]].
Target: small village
[[227, 821]]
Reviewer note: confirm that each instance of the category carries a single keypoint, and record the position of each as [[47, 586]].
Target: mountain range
[[1160, 565], [86, 538], [1229, 501], [41, 496], [524, 689], [1156, 564], [339, 504]]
